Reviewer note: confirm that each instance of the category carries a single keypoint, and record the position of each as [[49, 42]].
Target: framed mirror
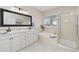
[[11, 18]]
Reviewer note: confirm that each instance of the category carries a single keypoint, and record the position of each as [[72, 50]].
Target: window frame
[[51, 20]]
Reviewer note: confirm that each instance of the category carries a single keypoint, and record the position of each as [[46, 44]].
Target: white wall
[[37, 16]]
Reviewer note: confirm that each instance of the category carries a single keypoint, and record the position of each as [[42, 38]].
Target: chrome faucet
[[8, 30]]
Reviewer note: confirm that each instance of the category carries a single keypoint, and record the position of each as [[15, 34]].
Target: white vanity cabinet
[[29, 37], [5, 43], [16, 40]]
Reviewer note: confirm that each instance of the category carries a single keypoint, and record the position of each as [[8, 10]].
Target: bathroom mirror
[[10, 18]]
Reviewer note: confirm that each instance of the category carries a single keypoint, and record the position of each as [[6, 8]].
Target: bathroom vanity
[[16, 40]]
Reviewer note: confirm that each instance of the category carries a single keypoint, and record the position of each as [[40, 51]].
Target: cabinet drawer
[[4, 36], [19, 34]]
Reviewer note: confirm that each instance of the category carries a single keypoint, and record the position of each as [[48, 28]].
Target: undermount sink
[[13, 31], [3, 32]]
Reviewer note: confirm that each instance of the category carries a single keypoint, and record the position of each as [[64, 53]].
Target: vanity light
[[17, 9], [14, 9], [23, 11]]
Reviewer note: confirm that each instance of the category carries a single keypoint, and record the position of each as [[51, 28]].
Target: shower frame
[[77, 30]]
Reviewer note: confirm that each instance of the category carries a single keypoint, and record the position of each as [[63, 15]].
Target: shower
[[68, 29]]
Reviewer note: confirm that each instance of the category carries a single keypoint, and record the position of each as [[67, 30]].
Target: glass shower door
[[68, 29]]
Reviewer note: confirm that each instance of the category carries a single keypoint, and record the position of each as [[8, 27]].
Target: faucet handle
[[8, 30]]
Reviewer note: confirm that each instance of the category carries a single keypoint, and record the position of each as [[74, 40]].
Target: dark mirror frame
[[2, 17]]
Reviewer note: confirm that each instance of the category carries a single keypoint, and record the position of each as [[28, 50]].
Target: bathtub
[[48, 38]]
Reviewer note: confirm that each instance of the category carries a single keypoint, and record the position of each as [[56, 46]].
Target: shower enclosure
[[68, 29]]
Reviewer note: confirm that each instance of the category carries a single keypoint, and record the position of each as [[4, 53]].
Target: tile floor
[[40, 47]]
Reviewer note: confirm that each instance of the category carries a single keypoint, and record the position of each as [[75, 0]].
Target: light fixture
[[17, 9]]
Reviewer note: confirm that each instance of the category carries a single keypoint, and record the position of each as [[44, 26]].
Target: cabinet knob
[[11, 39]]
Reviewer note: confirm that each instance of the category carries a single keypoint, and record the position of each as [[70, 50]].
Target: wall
[[36, 16]]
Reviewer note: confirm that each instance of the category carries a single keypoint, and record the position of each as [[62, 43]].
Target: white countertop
[[15, 31]]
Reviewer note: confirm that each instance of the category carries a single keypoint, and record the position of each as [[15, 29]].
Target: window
[[47, 21], [54, 20], [51, 20]]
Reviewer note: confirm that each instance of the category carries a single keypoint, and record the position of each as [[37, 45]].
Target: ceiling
[[44, 8]]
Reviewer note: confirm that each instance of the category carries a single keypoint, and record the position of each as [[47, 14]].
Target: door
[[68, 29], [5, 45]]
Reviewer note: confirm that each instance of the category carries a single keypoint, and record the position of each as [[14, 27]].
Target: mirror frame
[[2, 17]]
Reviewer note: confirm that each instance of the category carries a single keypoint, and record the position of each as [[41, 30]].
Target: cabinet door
[[34, 36], [31, 37], [18, 41], [28, 36], [15, 42], [5, 45], [23, 40], [23, 43]]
